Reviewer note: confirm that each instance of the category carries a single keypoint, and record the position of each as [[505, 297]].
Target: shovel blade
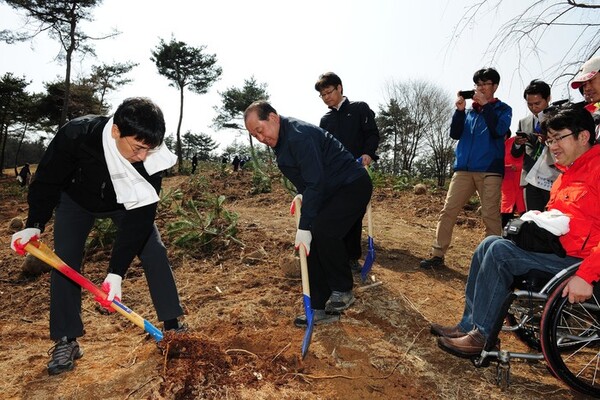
[[369, 259], [310, 322]]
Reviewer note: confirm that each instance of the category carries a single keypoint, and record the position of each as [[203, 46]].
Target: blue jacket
[[480, 134], [315, 162]]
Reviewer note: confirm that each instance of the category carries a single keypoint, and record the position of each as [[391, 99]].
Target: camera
[[522, 134], [466, 94]]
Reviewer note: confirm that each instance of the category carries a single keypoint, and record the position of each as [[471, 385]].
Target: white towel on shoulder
[[553, 221], [132, 190]]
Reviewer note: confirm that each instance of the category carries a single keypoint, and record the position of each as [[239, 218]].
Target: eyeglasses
[[138, 149], [325, 94], [482, 84], [550, 142]]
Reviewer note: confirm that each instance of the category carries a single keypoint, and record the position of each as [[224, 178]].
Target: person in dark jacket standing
[[479, 163], [103, 167], [335, 191], [353, 124]]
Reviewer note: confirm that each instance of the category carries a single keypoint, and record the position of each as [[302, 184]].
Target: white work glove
[[21, 238], [293, 205], [111, 286], [303, 237], [113, 282]]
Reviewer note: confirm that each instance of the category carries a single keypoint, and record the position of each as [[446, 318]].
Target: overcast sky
[[287, 45]]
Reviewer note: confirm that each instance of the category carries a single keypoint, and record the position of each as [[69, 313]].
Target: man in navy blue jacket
[[479, 164], [335, 191]]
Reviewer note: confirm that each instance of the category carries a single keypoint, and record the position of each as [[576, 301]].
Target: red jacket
[[512, 192], [576, 192]]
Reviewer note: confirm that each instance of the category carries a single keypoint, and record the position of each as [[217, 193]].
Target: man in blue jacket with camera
[[479, 163]]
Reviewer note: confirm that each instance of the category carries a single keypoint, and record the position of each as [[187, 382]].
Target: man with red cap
[[588, 83]]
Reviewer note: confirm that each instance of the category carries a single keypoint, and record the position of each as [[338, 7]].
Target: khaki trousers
[[462, 186]]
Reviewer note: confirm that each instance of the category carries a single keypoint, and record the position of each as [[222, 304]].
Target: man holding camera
[[479, 163]]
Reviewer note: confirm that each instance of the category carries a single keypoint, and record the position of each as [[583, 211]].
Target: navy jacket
[[353, 125], [315, 162], [74, 163]]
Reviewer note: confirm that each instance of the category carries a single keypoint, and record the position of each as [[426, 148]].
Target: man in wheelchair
[[497, 261]]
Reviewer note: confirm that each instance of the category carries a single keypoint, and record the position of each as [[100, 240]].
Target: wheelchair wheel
[[570, 338], [526, 312]]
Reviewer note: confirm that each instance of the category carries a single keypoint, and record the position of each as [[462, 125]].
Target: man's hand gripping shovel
[[308, 311], [44, 253]]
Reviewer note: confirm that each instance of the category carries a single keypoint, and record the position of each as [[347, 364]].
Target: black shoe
[[339, 301], [320, 317], [433, 262], [64, 354]]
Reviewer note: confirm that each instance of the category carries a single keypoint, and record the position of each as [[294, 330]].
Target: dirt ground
[[240, 305]]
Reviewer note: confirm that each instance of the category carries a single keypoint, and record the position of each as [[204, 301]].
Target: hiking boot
[[339, 301], [64, 353], [320, 317], [355, 266], [433, 262]]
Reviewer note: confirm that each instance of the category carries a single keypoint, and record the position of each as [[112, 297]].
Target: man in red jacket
[[497, 261]]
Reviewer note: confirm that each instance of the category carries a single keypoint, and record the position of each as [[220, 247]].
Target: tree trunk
[[4, 138], [19, 146], [69, 50], [178, 144]]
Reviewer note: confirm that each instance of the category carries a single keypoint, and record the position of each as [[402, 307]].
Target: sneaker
[[355, 266], [64, 354], [433, 262], [320, 317], [339, 301]]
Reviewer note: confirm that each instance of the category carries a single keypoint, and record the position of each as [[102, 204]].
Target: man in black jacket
[[335, 191], [102, 167], [353, 124]]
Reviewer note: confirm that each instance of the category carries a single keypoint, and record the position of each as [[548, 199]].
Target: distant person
[[102, 167], [194, 163], [353, 124], [243, 162], [538, 172], [236, 163], [512, 195], [24, 175], [496, 261], [335, 191], [479, 163], [588, 83]]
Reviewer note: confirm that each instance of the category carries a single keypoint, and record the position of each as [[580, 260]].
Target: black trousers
[[72, 225], [536, 198], [328, 266]]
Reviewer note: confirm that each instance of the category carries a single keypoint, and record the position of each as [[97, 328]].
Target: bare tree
[[533, 31], [61, 20]]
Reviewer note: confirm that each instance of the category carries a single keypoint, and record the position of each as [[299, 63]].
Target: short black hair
[[327, 79], [537, 86], [486, 74], [141, 118], [262, 108], [573, 117]]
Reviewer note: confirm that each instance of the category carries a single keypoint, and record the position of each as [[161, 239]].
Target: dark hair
[[537, 86], [141, 118], [328, 79], [486, 74], [262, 108], [569, 116]]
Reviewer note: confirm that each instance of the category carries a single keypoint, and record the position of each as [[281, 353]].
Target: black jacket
[[354, 126], [315, 162], [74, 163]]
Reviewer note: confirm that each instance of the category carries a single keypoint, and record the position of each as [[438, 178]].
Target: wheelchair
[[565, 335]]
